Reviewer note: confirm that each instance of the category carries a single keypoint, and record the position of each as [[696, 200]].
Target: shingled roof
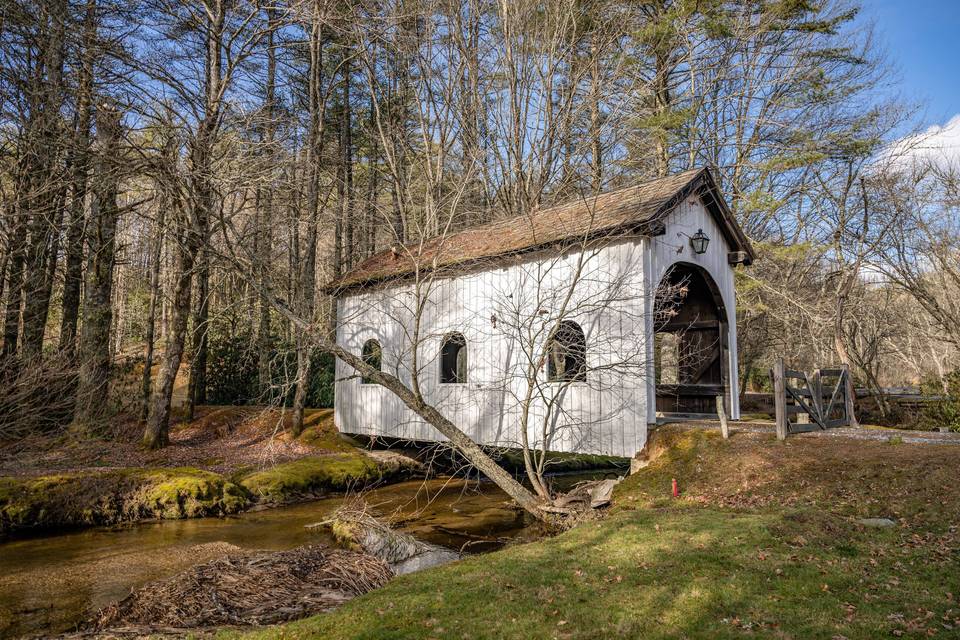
[[638, 209]]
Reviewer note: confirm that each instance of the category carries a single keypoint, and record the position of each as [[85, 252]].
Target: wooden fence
[[825, 398]]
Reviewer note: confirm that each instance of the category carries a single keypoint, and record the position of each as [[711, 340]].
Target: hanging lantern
[[699, 242]]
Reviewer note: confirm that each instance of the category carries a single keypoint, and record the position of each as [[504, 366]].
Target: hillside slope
[[766, 540]]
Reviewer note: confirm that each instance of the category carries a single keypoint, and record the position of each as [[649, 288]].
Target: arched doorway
[[691, 350]]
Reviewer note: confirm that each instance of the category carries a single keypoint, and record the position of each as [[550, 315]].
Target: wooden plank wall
[[607, 415], [599, 416]]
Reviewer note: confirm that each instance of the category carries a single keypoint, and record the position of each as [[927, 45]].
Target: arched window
[[372, 355], [453, 359], [567, 354]]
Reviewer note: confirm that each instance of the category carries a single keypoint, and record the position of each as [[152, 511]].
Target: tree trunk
[[303, 382], [44, 180], [370, 213], [73, 268], [308, 276], [263, 333], [150, 330], [265, 235], [11, 324], [95, 353], [196, 228], [396, 219], [197, 386], [661, 96], [595, 125], [156, 434], [346, 157]]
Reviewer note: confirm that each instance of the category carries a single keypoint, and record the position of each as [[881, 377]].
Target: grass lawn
[[764, 542]]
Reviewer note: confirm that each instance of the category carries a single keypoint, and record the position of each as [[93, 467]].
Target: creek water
[[50, 583]]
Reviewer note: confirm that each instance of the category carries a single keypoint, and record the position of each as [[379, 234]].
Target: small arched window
[[453, 359], [567, 354], [372, 355]]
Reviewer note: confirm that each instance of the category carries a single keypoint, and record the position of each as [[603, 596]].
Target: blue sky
[[922, 38]]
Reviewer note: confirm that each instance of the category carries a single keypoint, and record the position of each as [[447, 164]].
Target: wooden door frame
[[723, 332]]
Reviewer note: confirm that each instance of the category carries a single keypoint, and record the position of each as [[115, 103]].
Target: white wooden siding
[[608, 414]]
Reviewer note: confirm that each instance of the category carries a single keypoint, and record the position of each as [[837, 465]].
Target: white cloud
[[938, 145]]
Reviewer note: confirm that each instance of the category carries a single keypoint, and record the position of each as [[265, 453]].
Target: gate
[[826, 397]]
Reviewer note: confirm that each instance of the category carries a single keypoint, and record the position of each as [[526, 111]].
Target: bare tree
[[924, 258], [78, 165], [229, 35], [317, 17]]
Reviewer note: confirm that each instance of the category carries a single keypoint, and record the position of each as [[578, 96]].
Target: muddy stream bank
[[51, 583]]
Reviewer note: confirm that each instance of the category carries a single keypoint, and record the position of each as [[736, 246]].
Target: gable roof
[[639, 209]]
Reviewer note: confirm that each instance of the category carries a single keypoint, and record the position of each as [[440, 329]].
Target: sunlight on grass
[[764, 543]]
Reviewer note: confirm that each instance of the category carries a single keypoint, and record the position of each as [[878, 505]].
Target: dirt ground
[[220, 439], [869, 432]]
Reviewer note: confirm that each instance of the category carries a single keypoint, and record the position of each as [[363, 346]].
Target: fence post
[[722, 414], [780, 399], [849, 396], [816, 395]]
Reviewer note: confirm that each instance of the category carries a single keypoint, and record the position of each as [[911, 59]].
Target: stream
[[50, 583]]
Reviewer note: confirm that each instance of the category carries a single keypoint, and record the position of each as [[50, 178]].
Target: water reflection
[[49, 583]]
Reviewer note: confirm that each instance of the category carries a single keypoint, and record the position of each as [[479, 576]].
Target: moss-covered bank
[[104, 497], [118, 495], [309, 477]]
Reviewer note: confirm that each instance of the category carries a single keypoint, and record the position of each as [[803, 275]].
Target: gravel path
[[877, 435]]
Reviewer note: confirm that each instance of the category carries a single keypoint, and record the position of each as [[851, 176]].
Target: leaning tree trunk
[[97, 305], [469, 449], [463, 443]]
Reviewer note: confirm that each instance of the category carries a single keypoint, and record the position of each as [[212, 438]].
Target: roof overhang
[[410, 263]]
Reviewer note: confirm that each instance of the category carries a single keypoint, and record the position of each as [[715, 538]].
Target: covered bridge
[[571, 328]]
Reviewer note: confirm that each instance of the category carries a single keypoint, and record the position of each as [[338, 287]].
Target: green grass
[[687, 572], [126, 495], [764, 543]]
